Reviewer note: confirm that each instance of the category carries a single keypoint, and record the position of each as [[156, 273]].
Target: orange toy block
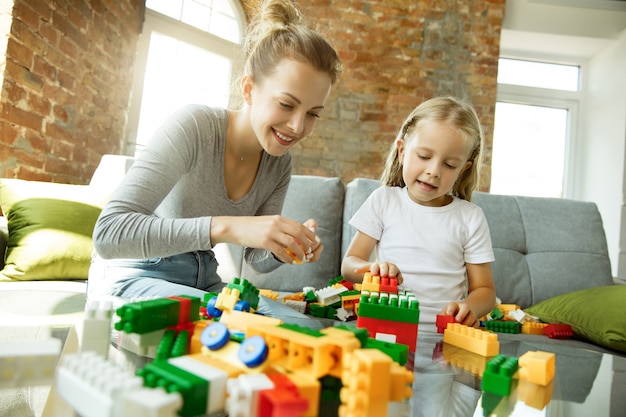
[[537, 367], [241, 320], [534, 395], [463, 359], [475, 340]]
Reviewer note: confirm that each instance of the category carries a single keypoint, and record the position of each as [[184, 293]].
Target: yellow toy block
[[230, 370], [506, 309], [344, 343], [230, 354], [295, 351], [296, 296], [269, 294], [464, 359], [227, 299], [537, 367], [533, 327], [534, 395], [308, 388], [241, 320], [370, 283], [370, 380], [472, 339]]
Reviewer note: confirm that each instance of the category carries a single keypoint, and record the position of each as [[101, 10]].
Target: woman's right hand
[[274, 233]]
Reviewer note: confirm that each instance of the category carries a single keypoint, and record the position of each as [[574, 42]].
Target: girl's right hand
[[383, 269]]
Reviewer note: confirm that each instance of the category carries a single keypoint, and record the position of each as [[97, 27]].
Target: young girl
[[211, 175], [425, 230]]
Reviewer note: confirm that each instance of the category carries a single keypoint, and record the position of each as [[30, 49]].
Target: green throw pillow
[[595, 314], [50, 227]]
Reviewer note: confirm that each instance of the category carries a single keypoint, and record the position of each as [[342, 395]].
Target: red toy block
[[558, 331], [389, 285], [406, 333], [442, 322], [282, 401]]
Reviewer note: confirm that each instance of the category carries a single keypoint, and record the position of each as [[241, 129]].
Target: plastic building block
[[28, 363], [243, 321], [330, 295], [283, 400], [146, 402], [389, 285], [400, 307], [531, 327], [534, 395], [299, 306], [396, 351], [498, 375], [370, 380], [502, 326], [404, 333], [475, 340], [496, 314], [537, 367], [558, 331], [318, 310], [253, 351], [464, 359], [371, 283], [93, 386], [96, 331], [216, 380], [442, 322], [193, 388], [247, 291], [151, 315], [243, 394]]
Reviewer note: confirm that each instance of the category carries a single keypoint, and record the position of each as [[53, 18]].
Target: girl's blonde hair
[[457, 113], [278, 31]]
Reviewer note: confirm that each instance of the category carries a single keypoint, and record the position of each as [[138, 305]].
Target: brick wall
[[69, 66], [67, 75], [398, 53]]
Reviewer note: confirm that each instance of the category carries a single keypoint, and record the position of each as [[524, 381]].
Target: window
[[534, 133], [187, 53]]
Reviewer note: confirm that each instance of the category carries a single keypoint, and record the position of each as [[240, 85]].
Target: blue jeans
[[191, 273]]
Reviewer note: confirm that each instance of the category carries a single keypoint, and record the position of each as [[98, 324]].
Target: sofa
[[550, 254]]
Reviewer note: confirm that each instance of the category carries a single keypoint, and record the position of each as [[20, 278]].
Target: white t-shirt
[[430, 245]]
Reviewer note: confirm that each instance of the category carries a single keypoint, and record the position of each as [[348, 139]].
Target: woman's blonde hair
[[278, 31], [460, 115]]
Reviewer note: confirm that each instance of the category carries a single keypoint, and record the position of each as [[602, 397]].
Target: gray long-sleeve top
[[164, 204]]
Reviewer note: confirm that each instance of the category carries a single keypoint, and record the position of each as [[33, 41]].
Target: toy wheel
[[242, 306], [253, 351], [211, 309], [215, 336]]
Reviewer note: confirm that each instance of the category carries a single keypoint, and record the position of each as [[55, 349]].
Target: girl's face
[[285, 106], [433, 157]]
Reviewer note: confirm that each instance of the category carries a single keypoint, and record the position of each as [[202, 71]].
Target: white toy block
[[243, 399], [28, 363], [96, 335], [330, 295], [217, 380], [92, 386], [151, 402], [299, 306]]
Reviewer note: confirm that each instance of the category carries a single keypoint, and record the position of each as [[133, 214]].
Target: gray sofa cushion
[[357, 192], [321, 199], [544, 246]]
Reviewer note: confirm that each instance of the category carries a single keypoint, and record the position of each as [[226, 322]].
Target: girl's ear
[[467, 165], [247, 84], [400, 147]]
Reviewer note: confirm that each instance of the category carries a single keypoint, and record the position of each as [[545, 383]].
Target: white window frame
[[157, 22], [544, 97]]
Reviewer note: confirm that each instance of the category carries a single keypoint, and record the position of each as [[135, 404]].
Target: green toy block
[[507, 326], [301, 329], [402, 309], [396, 351], [193, 389], [247, 291], [498, 375], [496, 314], [361, 334], [148, 316]]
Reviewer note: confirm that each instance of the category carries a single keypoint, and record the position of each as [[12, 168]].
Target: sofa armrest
[[4, 239]]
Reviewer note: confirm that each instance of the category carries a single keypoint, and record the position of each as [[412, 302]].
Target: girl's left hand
[[462, 313]]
